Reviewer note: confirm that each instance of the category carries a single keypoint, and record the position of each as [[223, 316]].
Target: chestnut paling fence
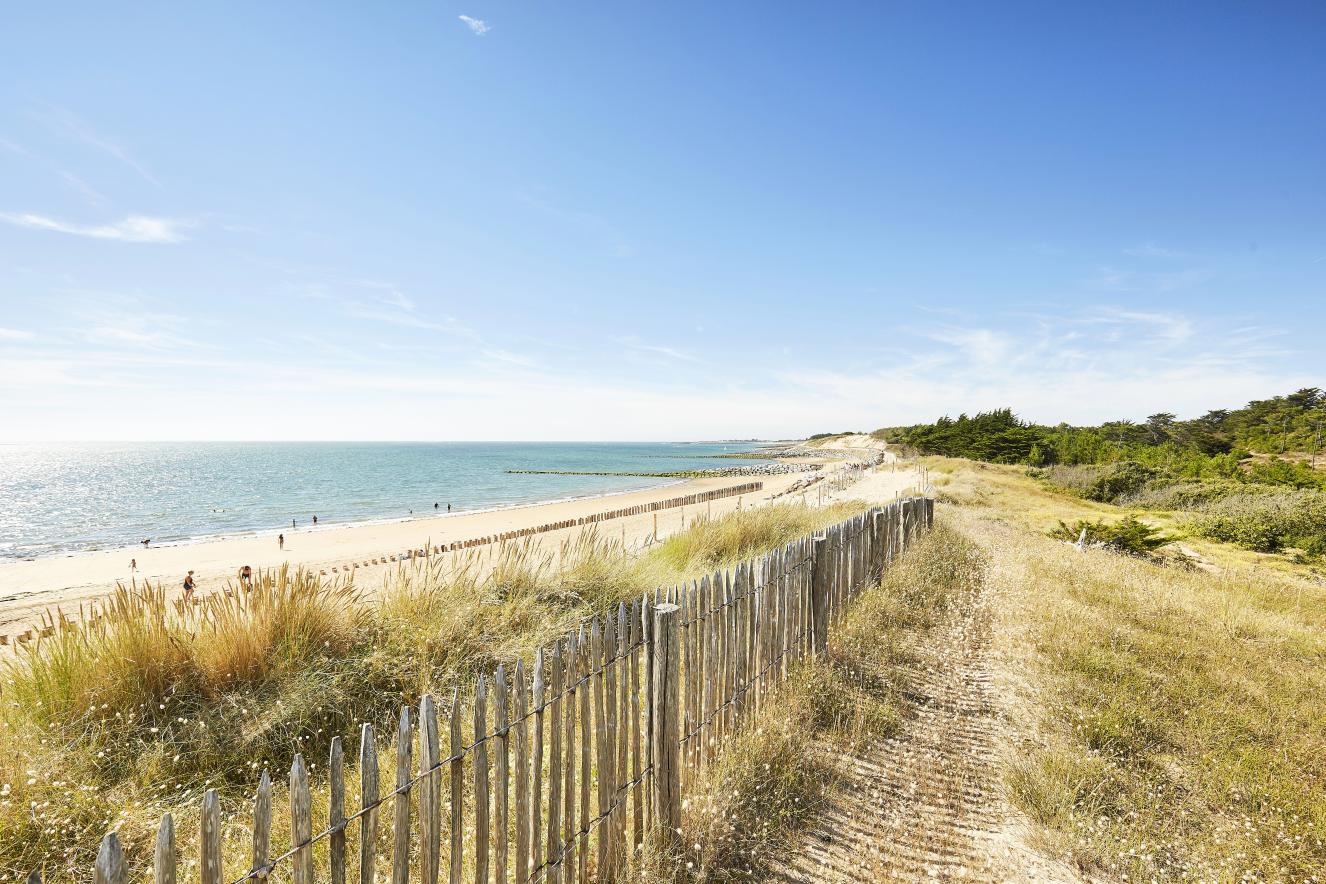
[[560, 771]]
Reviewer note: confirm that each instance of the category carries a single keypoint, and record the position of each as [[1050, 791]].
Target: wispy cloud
[[506, 357], [982, 346], [82, 188], [129, 322], [1116, 280], [477, 25], [15, 334], [78, 128], [1171, 327], [633, 343], [13, 147], [1151, 250], [133, 228]]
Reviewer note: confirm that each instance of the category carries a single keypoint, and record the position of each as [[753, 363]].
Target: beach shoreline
[[28, 588]]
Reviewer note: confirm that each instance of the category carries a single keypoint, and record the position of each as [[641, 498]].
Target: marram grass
[[106, 727]]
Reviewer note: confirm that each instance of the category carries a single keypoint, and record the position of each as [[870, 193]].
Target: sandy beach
[[27, 588]]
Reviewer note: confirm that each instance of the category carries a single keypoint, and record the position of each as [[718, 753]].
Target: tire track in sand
[[927, 805]]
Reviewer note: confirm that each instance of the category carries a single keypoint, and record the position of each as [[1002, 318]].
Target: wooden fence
[[558, 772]]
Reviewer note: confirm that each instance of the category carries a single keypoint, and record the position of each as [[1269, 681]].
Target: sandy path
[[927, 804], [27, 588]]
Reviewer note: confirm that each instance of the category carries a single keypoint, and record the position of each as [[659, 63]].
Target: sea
[[62, 498]]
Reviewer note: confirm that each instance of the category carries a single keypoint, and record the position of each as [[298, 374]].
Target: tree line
[[1245, 443]]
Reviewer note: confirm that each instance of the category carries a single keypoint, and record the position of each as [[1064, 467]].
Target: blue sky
[[499, 220]]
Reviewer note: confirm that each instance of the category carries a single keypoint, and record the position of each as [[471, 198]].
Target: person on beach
[[434, 506], [448, 507], [246, 577], [133, 565], [188, 586], [292, 523], [280, 541], [315, 520]]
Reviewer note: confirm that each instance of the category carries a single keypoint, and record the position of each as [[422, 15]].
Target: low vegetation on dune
[[1267, 522], [711, 543], [1177, 734], [106, 726], [1127, 535], [1255, 476]]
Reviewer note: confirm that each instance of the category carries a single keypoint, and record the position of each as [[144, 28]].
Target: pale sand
[[27, 588]]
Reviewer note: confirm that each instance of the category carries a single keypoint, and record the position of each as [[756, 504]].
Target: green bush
[[1128, 535], [1163, 494], [1267, 522], [1107, 483]]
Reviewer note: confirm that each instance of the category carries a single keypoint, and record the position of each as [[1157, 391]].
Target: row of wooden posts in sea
[[591, 752]]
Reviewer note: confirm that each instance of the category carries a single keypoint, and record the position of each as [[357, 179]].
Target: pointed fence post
[[822, 574], [209, 831], [667, 768], [368, 799], [301, 824], [164, 860], [110, 862], [262, 822], [400, 854], [336, 812]]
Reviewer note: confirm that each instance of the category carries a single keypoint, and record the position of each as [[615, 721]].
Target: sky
[[566, 220]]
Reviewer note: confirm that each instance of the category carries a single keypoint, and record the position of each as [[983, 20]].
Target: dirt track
[[928, 805]]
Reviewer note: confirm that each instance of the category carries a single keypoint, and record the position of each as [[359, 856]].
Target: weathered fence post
[[400, 828], [667, 770], [301, 824], [821, 575], [209, 832], [368, 799], [110, 862], [336, 812], [164, 867], [430, 791]]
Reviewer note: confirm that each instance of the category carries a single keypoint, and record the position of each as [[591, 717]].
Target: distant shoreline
[[77, 579]]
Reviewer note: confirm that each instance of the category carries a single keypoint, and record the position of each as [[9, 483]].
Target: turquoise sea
[[62, 498]]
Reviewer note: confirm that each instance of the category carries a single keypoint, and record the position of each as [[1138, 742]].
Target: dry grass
[[712, 543], [1179, 733], [106, 728]]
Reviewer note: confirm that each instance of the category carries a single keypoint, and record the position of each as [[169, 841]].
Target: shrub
[[1166, 495], [1128, 535], [1267, 522], [1106, 483]]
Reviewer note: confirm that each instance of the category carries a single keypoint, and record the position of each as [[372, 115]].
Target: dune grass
[[105, 727], [1179, 726], [713, 543]]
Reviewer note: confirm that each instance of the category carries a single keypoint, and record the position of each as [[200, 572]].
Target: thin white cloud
[[477, 25], [982, 346], [75, 126], [633, 343], [82, 188], [507, 357], [15, 334], [1151, 250], [1171, 327], [132, 228], [1115, 280], [13, 147]]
